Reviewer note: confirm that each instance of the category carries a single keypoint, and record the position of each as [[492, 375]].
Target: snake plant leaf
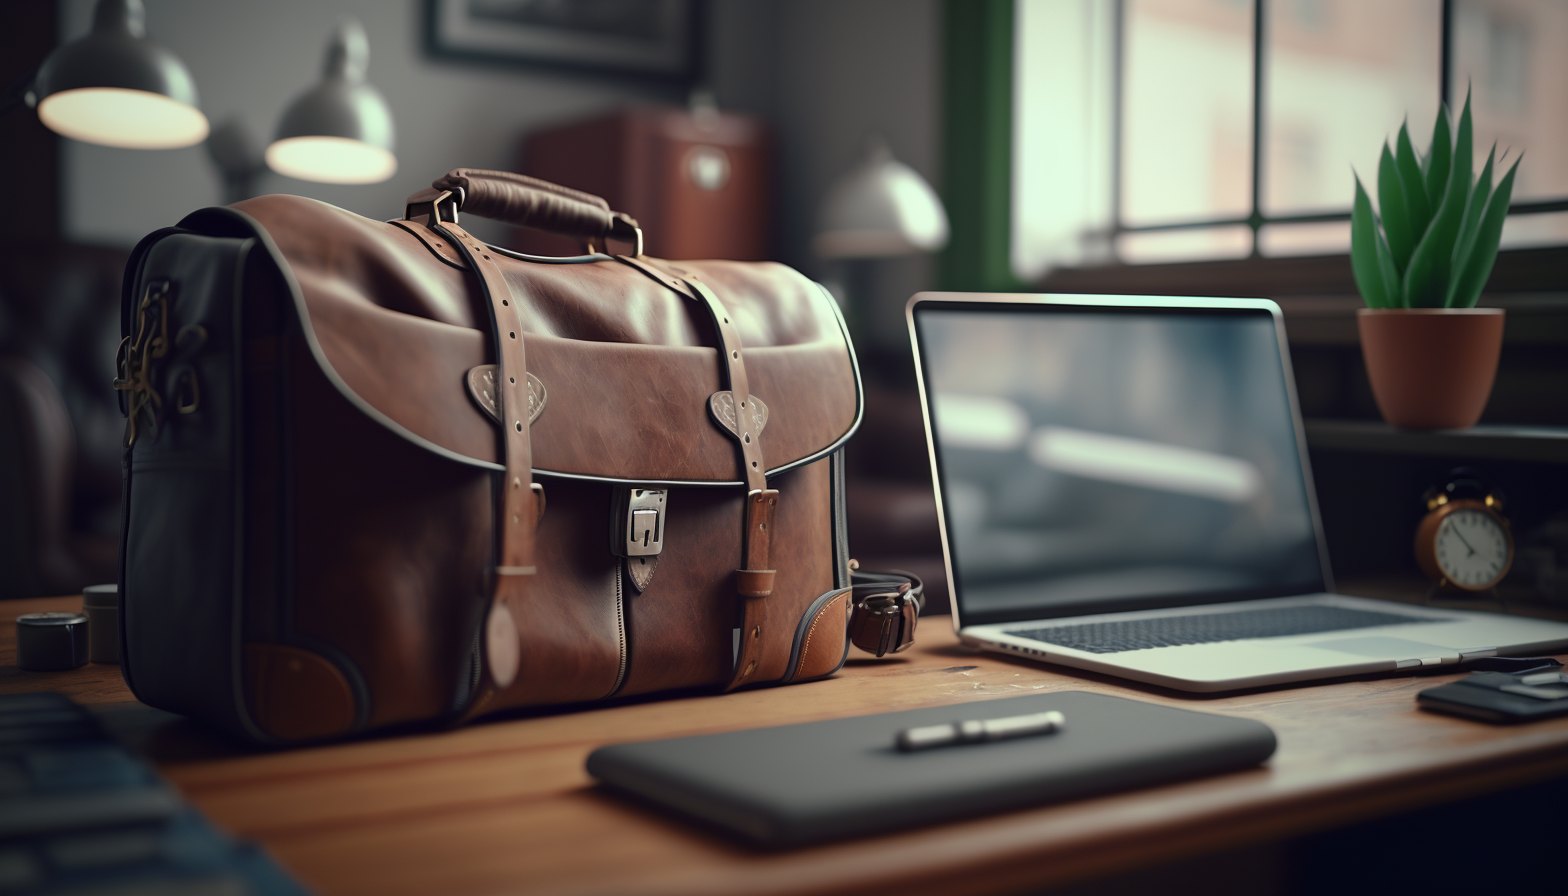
[[1462, 167], [1414, 180], [1395, 212], [1468, 225], [1426, 278], [1478, 267], [1363, 252], [1385, 267], [1438, 156]]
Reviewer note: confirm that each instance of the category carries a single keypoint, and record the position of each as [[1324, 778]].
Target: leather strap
[[754, 580], [661, 276], [518, 515]]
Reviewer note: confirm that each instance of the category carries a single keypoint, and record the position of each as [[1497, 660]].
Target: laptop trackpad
[[1385, 648]]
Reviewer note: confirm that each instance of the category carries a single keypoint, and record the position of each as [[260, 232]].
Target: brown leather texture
[[390, 523], [295, 694], [402, 328], [821, 650]]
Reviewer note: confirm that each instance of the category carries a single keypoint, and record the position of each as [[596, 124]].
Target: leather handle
[[529, 202]]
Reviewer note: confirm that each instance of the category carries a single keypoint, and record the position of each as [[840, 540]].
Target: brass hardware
[[137, 354]]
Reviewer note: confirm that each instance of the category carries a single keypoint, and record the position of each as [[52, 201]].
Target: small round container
[[50, 642], [101, 603]]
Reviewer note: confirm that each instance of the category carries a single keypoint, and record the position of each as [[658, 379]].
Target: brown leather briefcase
[[383, 473]]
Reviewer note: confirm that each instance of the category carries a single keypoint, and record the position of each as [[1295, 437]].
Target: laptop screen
[[1096, 459]]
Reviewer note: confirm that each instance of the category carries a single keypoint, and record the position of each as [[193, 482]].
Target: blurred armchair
[[60, 427]]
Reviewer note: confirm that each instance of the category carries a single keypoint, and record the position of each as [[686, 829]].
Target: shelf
[[1544, 444], [1330, 320], [1513, 598]]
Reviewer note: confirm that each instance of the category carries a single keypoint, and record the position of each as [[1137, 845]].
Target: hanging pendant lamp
[[339, 131], [116, 88]]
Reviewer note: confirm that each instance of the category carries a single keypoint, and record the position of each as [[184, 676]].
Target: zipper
[[620, 626]]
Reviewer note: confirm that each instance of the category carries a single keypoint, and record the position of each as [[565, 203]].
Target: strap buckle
[[637, 527], [883, 621]]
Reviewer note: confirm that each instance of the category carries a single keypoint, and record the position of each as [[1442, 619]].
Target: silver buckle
[[638, 522]]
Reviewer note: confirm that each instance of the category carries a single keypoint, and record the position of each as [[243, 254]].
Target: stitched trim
[[805, 647]]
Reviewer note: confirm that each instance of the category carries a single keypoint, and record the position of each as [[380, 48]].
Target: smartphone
[[1502, 698]]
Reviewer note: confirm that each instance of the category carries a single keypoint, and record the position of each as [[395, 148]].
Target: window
[[1158, 130]]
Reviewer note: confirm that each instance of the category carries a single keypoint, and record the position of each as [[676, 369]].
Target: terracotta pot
[[1431, 368]]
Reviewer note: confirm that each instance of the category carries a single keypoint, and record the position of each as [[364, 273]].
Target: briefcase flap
[[626, 382]]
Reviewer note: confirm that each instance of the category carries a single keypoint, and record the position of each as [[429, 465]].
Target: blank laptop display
[[1123, 486], [1095, 462]]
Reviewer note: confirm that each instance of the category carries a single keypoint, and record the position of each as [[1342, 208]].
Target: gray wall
[[847, 69], [827, 73]]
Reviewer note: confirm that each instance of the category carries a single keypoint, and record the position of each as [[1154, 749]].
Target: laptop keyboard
[[1209, 628]]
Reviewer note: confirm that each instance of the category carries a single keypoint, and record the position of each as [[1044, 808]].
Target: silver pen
[[978, 731]]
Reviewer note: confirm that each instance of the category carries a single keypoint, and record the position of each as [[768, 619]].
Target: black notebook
[[800, 784]]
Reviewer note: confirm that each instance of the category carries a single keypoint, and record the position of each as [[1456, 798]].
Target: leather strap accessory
[[885, 609], [518, 515]]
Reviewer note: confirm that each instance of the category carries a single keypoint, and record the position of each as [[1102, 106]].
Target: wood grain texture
[[505, 806]]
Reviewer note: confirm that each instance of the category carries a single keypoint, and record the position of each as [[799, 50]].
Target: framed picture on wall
[[647, 38]]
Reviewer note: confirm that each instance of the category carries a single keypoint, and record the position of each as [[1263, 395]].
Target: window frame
[[1256, 220], [977, 149]]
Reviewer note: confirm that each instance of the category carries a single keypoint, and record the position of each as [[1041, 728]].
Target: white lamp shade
[[115, 116], [881, 208], [331, 160], [340, 130], [116, 88]]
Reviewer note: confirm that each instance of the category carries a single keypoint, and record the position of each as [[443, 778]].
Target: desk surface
[[504, 806]]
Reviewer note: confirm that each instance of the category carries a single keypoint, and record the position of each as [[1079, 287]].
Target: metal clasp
[[136, 356], [637, 522], [433, 211]]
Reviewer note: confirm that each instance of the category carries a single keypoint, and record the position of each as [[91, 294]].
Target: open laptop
[[1123, 486]]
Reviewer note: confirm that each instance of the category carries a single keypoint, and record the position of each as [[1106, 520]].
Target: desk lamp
[[881, 208], [339, 131], [116, 88]]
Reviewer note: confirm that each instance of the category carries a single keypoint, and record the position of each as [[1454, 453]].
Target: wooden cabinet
[[698, 183]]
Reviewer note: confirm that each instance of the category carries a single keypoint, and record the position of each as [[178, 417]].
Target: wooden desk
[[505, 806]]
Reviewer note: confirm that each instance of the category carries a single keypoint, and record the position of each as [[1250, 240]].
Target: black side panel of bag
[[180, 546]]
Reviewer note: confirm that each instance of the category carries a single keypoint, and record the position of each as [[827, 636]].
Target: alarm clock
[[1464, 542]]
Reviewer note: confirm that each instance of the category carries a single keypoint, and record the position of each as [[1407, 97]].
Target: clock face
[[1472, 549]]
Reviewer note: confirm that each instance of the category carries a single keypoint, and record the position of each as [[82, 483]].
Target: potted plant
[[1420, 263]]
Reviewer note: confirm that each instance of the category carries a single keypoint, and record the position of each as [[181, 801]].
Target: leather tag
[[722, 406], [481, 388], [640, 570]]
